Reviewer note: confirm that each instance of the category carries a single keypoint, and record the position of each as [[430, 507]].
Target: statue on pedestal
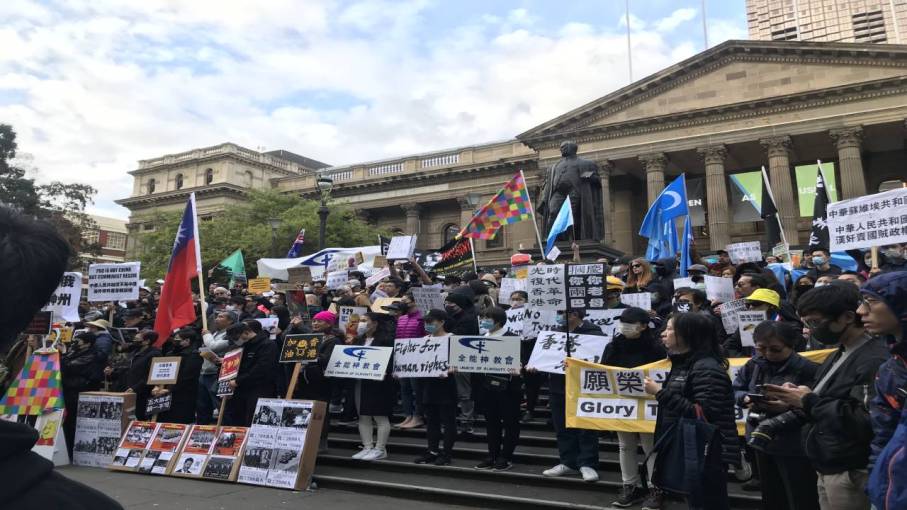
[[577, 178]]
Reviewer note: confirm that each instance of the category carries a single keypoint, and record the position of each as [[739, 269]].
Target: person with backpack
[[697, 386]]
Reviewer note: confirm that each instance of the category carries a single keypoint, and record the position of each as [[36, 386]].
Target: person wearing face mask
[[185, 390], [634, 344], [821, 261], [694, 300], [833, 410], [785, 476], [409, 325], [375, 399], [81, 369], [614, 287], [135, 374], [459, 306], [894, 257], [532, 381], [439, 400], [214, 346], [803, 285], [255, 378]]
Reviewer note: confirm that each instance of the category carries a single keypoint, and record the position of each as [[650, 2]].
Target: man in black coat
[[82, 370], [256, 378], [33, 258], [135, 376]]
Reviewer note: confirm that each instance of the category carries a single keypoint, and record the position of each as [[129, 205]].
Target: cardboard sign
[[380, 261], [164, 370], [401, 248], [550, 351], [750, 251], [867, 221], [346, 312], [508, 287], [40, 324], [64, 302], [377, 277], [113, 282], [359, 362], [301, 348], [747, 322], [160, 404], [719, 289], [586, 286], [421, 357], [299, 275], [428, 298], [229, 367], [485, 354], [546, 287], [638, 299], [259, 285]]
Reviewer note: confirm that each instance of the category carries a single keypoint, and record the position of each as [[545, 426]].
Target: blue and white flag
[[564, 219], [658, 225], [685, 247]]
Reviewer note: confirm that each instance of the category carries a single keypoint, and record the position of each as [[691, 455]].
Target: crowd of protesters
[[816, 432]]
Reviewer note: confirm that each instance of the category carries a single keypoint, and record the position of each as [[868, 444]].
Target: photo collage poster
[[168, 439], [99, 426], [277, 437]]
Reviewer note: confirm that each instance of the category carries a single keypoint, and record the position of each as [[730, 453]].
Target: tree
[[246, 227], [61, 204]]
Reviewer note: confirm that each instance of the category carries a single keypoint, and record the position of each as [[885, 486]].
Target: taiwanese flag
[[176, 308]]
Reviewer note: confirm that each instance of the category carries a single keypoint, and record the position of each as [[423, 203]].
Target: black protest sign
[[224, 389], [160, 404], [586, 286], [301, 348], [40, 324]]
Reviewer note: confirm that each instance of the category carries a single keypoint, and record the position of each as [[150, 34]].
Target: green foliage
[[246, 227]]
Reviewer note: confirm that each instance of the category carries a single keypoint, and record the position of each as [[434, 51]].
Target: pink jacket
[[411, 325]]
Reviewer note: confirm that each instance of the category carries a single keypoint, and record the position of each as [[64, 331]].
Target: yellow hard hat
[[615, 283], [766, 296]]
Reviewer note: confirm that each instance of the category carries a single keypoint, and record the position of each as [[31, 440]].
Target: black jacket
[[838, 432], [185, 391], [556, 381], [797, 370], [633, 352], [312, 384], [258, 368], [81, 370], [377, 398], [136, 375], [703, 381], [30, 482]]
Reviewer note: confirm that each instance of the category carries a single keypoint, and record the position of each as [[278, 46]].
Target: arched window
[[179, 181], [249, 179], [450, 231], [151, 185], [209, 176]]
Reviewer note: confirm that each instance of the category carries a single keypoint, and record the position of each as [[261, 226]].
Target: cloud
[[92, 86], [677, 18]]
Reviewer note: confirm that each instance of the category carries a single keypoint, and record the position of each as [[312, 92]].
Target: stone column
[[778, 150], [655, 165], [716, 196], [412, 218], [607, 166], [849, 142]]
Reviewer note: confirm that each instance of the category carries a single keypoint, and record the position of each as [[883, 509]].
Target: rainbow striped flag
[[509, 205], [37, 388]]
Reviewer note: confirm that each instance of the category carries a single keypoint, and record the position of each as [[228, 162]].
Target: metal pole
[[323, 212], [629, 50], [705, 30], [273, 242]]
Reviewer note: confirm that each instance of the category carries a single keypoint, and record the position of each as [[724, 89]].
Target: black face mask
[[826, 336]]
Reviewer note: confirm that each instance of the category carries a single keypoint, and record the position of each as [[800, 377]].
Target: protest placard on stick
[[428, 298], [113, 282], [421, 357], [872, 220], [164, 370], [547, 287], [750, 251], [359, 362], [485, 354]]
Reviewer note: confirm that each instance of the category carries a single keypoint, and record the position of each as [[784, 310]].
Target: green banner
[[746, 196], [806, 185]]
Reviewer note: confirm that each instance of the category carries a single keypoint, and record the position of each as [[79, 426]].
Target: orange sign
[[229, 368]]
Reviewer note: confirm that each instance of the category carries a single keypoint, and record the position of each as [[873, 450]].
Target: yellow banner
[[601, 397]]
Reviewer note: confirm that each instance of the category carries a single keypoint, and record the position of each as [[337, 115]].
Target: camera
[[769, 428]]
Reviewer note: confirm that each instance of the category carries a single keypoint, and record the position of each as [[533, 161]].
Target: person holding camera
[[834, 413], [787, 478]]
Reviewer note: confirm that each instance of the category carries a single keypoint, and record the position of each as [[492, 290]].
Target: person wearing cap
[[81, 369], [104, 342], [375, 399], [697, 270], [760, 300], [409, 325], [491, 282], [636, 343], [723, 263], [439, 400], [360, 296], [614, 287]]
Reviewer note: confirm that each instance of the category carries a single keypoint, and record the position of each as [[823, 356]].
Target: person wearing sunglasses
[[786, 477]]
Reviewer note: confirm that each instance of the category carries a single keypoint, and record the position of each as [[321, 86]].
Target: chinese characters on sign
[[64, 302], [300, 348], [485, 355], [359, 362], [113, 282], [638, 299], [585, 286], [872, 220], [229, 367], [550, 351], [164, 370], [546, 287]]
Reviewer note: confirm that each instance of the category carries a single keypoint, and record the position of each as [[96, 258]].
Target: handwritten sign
[[113, 282], [158, 405], [421, 357], [359, 362], [750, 251], [508, 287], [546, 287], [164, 370], [229, 368], [536, 321], [301, 348], [607, 320], [867, 221], [485, 354], [550, 351], [298, 275], [586, 286], [638, 299], [64, 302], [719, 289], [747, 322], [259, 285], [401, 247], [377, 277], [515, 320], [428, 298]]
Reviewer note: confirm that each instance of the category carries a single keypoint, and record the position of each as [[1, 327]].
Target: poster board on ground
[[101, 418], [211, 452], [159, 458], [282, 444], [136, 439]]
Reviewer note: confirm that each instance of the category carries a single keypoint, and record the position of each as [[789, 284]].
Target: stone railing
[[447, 159], [223, 149], [391, 168]]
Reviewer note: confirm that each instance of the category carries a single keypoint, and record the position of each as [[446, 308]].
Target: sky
[[93, 86]]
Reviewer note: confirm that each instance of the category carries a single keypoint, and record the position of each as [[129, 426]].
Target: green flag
[[236, 266]]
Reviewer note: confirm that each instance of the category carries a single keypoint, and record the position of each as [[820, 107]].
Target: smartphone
[[756, 397]]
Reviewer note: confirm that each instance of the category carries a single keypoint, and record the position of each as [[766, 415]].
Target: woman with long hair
[[698, 378], [639, 277]]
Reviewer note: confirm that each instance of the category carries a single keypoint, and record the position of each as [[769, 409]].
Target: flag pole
[[198, 262], [535, 224], [765, 182], [472, 248]]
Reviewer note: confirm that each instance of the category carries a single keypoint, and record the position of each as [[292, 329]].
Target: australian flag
[[296, 249], [176, 307]]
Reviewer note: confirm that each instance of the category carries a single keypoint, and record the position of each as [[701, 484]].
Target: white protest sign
[[401, 247], [547, 287], [536, 321], [549, 353], [335, 279], [747, 322], [514, 325], [421, 357], [680, 283], [485, 354], [607, 320], [867, 221], [750, 251], [377, 277], [359, 362], [64, 302], [428, 298], [164, 370], [729, 311], [638, 299], [269, 324], [553, 254], [508, 287], [719, 289], [113, 282], [343, 318]]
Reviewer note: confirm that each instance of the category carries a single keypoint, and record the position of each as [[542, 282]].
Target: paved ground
[[144, 492]]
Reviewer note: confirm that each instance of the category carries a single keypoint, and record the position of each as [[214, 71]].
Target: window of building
[[115, 241], [450, 232], [151, 185], [209, 176], [92, 236], [179, 181], [497, 241], [148, 227]]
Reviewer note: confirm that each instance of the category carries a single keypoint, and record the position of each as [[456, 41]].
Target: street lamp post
[[275, 224], [325, 184]]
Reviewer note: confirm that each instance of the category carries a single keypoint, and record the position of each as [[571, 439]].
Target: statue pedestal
[[589, 251]]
